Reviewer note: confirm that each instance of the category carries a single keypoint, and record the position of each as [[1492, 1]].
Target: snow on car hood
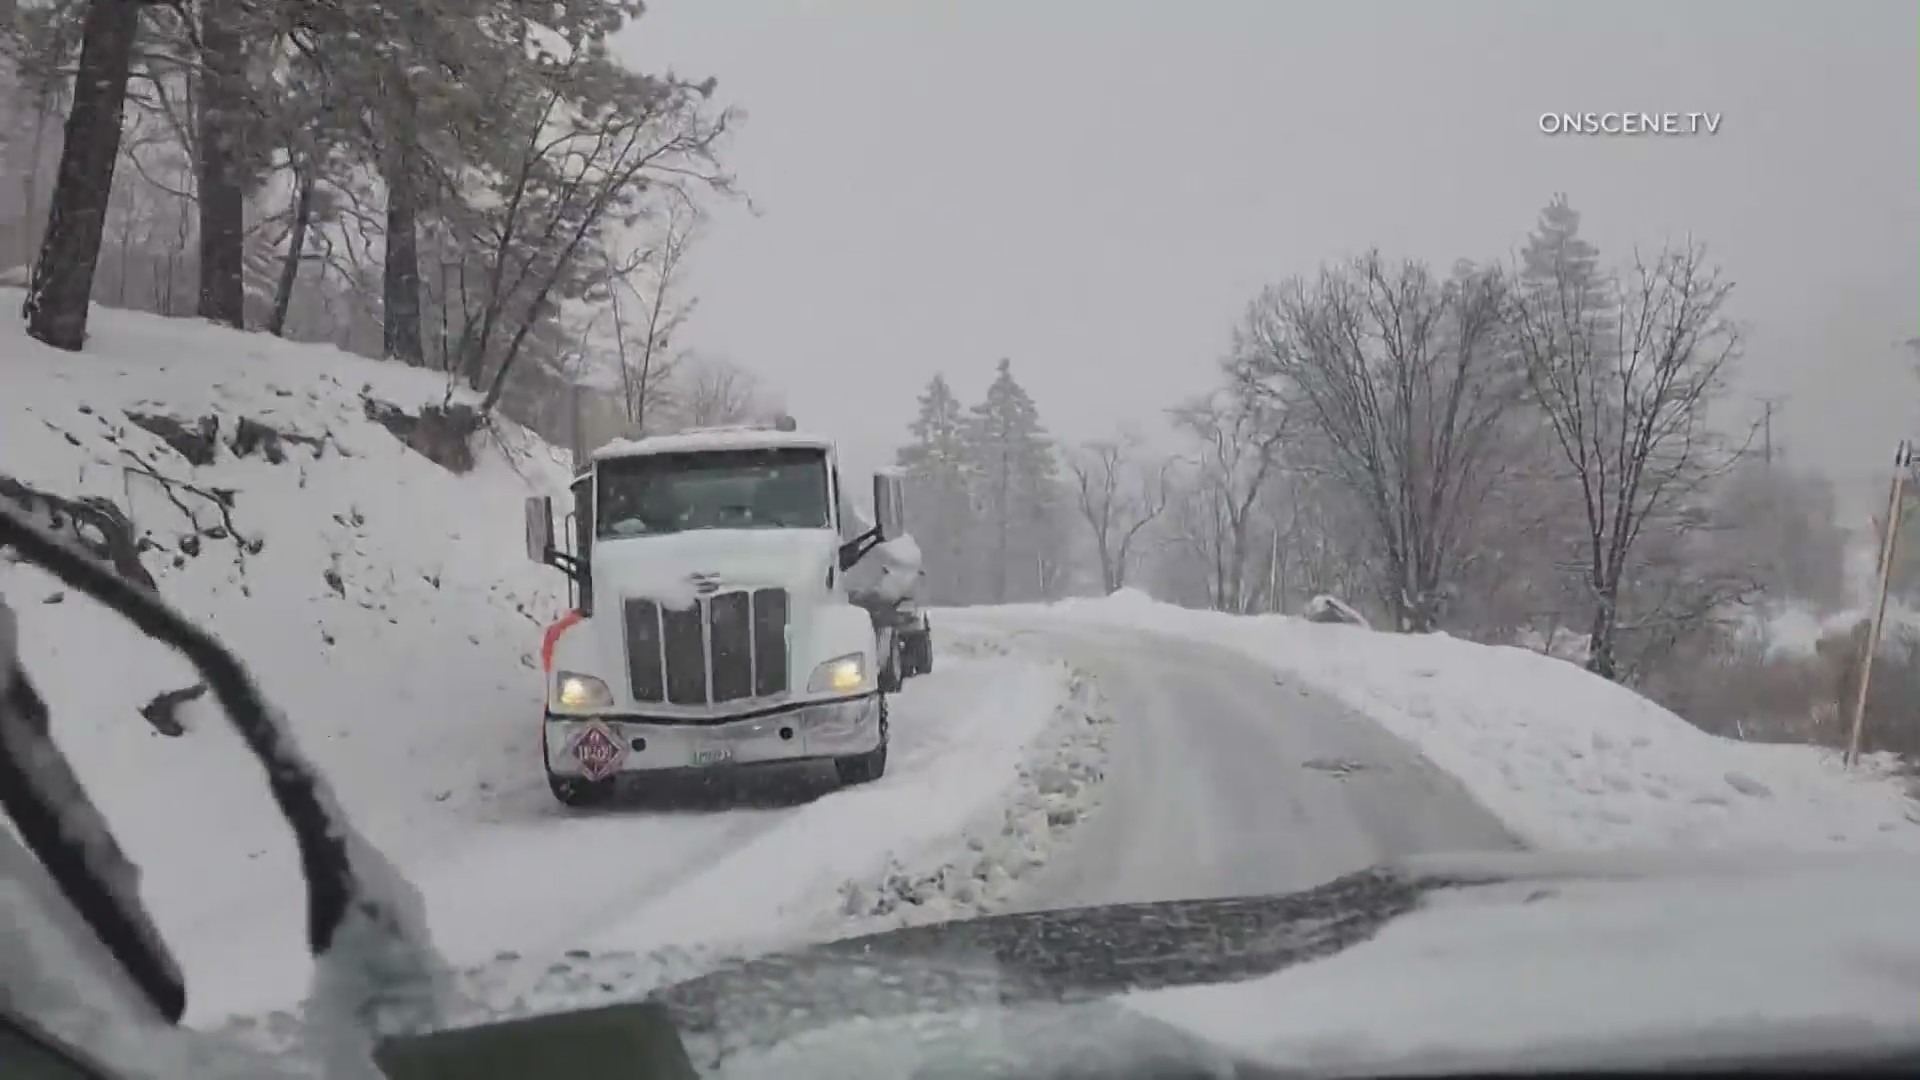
[[1621, 960], [1436, 963]]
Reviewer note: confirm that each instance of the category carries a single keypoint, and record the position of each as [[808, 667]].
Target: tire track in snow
[[1221, 782], [964, 740], [545, 886]]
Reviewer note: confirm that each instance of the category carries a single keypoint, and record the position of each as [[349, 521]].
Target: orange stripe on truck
[[553, 638]]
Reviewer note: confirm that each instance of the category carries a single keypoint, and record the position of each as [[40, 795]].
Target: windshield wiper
[[345, 876], [70, 837]]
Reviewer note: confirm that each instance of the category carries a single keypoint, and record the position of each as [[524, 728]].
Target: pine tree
[[940, 490], [62, 281], [1556, 253], [1018, 479]]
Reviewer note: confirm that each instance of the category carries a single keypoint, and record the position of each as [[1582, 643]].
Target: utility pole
[[1903, 460]]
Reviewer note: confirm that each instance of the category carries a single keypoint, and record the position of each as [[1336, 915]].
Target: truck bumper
[[603, 746]]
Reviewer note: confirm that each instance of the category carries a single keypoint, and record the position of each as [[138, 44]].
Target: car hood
[[1535, 962], [1425, 965]]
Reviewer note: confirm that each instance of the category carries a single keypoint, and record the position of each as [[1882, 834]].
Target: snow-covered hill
[[383, 601], [386, 604]]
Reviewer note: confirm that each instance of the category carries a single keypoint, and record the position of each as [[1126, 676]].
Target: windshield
[[782, 488], [671, 535]]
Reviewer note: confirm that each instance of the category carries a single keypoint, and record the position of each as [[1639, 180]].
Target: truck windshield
[[776, 488]]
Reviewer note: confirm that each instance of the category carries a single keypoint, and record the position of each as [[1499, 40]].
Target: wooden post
[[1889, 544], [1273, 574]]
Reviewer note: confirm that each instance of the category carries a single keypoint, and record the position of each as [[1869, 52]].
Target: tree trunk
[[401, 288], [296, 246], [1423, 602], [222, 193], [56, 305], [401, 297], [1600, 637]]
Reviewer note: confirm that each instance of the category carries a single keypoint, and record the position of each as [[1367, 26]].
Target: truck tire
[[918, 653], [870, 766]]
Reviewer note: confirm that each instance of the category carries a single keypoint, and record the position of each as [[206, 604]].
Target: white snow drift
[[1568, 760]]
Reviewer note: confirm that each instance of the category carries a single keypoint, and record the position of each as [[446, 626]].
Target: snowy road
[[503, 868], [1224, 779]]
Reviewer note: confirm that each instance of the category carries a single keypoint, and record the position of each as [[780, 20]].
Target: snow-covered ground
[[386, 604], [1569, 761]]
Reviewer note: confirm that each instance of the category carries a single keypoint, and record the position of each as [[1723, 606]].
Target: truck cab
[[731, 608]]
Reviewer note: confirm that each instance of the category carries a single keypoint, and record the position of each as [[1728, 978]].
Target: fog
[[1096, 189]]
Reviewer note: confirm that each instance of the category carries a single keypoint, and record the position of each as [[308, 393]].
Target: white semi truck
[[731, 608]]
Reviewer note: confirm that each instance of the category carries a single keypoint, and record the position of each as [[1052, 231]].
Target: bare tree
[[1311, 539], [1401, 385], [1779, 528], [1178, 563], [594, 171], [662, 312], [1239, 439], [1625, 375], [1518, 576], [716, 392], [33, 93], [1119, 496]]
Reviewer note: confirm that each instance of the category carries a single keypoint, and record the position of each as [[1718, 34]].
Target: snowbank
[[382, 601], [1566, 759], [1058, 784]]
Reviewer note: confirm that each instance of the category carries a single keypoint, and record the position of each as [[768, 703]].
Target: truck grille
[[730, 645]]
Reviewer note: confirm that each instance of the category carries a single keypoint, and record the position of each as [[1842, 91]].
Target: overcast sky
[[1095, 188]]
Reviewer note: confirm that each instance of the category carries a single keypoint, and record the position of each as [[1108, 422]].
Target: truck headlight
[[842, 673], [580, 693]]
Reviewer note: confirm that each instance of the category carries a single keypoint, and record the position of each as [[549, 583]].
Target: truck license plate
[[712, 755]]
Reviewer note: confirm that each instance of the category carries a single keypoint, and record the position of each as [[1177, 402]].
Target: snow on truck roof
[[719, 438]]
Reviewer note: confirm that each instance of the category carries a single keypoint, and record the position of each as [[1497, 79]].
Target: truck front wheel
[[870, 766]]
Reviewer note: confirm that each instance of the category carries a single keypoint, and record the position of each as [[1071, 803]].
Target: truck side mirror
[[889, 505], [539, 514]]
